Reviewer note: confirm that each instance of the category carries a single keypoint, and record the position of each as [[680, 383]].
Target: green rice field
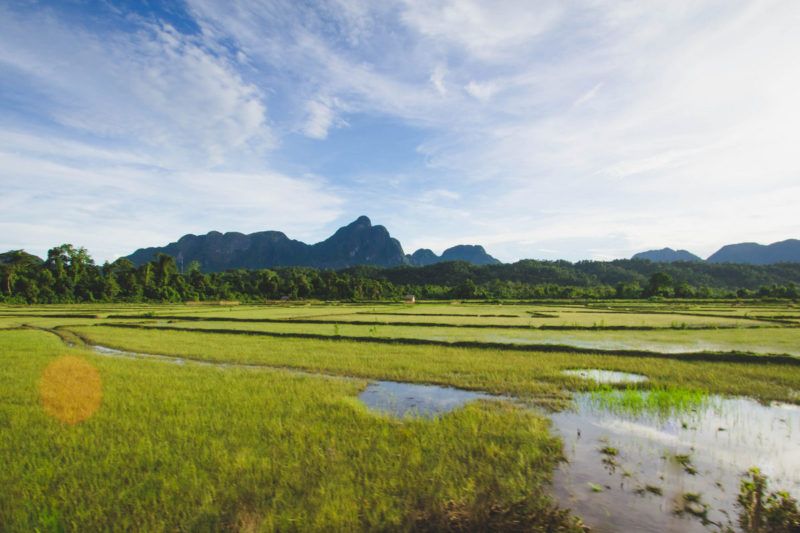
[[273, 436]]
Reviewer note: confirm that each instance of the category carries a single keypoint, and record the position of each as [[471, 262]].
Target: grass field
[[264, 448]]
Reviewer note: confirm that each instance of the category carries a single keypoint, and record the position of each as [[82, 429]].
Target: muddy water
[[402, 399], [630, 473]]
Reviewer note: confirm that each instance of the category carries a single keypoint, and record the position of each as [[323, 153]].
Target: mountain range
[[358, 243], [361, 243], [746, 252], [666, 255]]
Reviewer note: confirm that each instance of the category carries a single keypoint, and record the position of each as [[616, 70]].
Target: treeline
[[723, 276], [623, 278], [69, 274]]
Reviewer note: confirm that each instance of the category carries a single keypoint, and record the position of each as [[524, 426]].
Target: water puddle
[[679, 347], [427, 401], [606, 376], [633, 472], [113, 352]]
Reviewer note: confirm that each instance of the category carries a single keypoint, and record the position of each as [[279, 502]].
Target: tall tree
[[13, 261]]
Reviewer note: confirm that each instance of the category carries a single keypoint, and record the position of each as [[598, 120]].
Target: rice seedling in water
[[609, 450], [760, 512], [652, 489], [595, 487], [693, 504], [662, 401], [686, 462]]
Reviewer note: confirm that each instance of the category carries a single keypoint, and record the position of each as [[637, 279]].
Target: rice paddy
[[320, 416]]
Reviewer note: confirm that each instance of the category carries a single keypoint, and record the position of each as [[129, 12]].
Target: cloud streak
[[607, 126]]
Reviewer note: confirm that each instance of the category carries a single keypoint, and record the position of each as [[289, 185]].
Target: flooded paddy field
[[768, 339], [645, 466], [648, 469], [299, 417]]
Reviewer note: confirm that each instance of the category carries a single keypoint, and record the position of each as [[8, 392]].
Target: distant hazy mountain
[[471, 253], [358, 243], [18, 257], [463, 252], [758, 254], [667, 255], [423, 257]]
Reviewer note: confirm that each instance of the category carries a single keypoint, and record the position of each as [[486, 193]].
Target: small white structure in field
[[410, 299]]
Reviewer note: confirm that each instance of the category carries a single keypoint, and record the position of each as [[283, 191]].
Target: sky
[[580, 129]]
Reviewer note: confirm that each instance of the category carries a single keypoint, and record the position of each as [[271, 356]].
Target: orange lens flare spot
[[71, 389]]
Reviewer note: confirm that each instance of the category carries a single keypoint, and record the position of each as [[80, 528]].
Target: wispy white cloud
[[609, 126], [103, 207], [144, 135], [321, 116], [482, 91], [490, 31], [153, 87], [588, 95], [437, 79], [438, 195]]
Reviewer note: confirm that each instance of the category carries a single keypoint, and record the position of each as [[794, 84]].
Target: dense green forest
[[69, 274]]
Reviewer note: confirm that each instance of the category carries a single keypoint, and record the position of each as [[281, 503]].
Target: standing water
[[671, 471], [605, 376], [401, 399]]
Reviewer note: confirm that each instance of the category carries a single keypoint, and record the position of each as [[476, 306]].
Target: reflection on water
[[631, 472], [401, 399], [113, 352], [631, 343], [606, 376]]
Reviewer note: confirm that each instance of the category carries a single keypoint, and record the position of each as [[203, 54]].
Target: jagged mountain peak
[[357, 243], [363, 220]]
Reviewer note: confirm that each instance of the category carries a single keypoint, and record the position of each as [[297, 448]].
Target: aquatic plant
[[760, 512], [686, 462], [691, 497], [594, 487], [528, 514], [663, 401], [609, 450], [652, 489], [693, 504]]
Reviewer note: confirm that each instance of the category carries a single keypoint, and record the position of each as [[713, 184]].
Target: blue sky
[[587, 129]]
